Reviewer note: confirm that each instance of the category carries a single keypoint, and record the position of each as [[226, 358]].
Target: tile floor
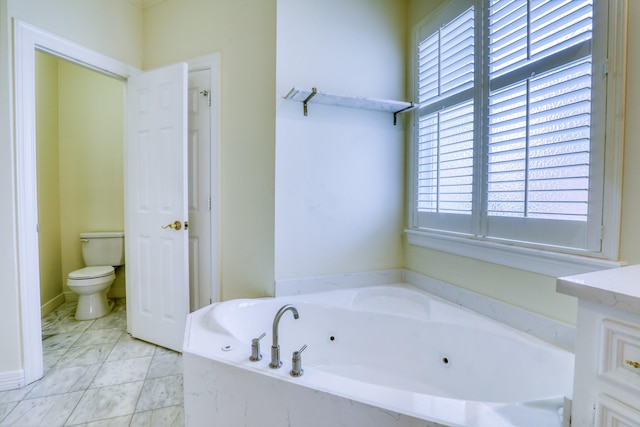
[[96, 375]]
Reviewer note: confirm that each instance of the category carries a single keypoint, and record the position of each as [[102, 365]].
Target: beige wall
[[91, 161], [111, 27], [80, 167], [243, 31], [630, 233], [48, 177], [536, 292]]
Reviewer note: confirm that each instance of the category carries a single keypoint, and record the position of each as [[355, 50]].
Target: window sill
[[539, 261]]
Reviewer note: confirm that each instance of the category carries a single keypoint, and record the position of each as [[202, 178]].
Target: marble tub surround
[[544, 328], [547, 329], [617, 288], [97, 375], [307, 285]]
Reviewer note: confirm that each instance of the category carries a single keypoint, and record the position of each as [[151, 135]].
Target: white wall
[[11, 356], [111, 27], [339, 171]]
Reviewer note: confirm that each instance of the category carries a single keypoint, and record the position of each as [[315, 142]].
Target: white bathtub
[[377, 356]]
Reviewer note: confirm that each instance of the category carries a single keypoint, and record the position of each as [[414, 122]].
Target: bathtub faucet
[[275, 348]]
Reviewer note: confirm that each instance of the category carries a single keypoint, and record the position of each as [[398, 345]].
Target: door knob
[[176, 225]]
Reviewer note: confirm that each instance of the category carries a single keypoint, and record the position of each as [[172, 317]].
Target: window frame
[[549, 260]]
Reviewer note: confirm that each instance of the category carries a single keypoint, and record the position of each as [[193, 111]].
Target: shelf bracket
[[395, 114], [311, 95]]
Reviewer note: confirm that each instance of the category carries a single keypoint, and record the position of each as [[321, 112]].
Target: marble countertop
[[618, 287]]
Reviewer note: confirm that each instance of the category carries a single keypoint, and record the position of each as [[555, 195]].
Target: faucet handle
[[296, 363], [255, 348]]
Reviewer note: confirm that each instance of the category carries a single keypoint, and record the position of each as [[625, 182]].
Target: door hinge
[[605, 67], [209, 203], [208, 95]]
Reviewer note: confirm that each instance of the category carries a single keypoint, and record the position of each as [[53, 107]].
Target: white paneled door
[[156, 206]]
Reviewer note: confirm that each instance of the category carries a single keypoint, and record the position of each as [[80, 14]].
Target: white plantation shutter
[[538, 152], [445, 149], [507, 148]]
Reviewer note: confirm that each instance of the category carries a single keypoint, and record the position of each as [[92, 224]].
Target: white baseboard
[[52, 304], [11, 380]]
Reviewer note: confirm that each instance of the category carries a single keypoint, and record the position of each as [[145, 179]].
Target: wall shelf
[[305, 96]]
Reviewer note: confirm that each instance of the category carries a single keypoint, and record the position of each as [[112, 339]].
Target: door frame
[[26, 40]]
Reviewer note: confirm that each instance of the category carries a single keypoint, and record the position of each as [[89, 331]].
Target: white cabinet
[[607, 369]]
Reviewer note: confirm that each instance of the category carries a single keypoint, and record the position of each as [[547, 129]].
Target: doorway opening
[[28, 40], [80, 179]]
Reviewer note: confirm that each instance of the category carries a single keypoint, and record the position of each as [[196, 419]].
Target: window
[[509, 131]]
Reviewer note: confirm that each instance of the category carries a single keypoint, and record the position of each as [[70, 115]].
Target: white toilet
[[101, 252]]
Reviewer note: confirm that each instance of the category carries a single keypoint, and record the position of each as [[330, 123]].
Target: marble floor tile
[[162, 350], [122, 371], [161, 392], [50, 411], [5, 408], [51, 358], [96, 375], [165, 364], [115, 321], [106, 402], [99, 336], [62, 340], [172, 416], [128, 347], [85, 355], [67, 325], [124, 421], [58, 381], [15, 395]]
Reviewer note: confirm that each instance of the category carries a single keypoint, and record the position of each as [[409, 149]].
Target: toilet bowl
[[91, 284], [102, 252]]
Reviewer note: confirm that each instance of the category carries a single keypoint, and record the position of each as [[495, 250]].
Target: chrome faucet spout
[[275, 347]]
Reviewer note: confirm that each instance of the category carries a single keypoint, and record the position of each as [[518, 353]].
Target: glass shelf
[[306, 96]]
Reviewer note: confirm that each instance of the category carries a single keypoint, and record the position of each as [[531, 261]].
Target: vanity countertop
[[618, 287]]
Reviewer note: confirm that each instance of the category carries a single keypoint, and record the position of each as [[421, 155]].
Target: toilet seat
[[91, 272]]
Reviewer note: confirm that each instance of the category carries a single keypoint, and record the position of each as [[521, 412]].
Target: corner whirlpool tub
[[387, 355]]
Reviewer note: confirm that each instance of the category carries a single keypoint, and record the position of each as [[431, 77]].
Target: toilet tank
[[103, 248]]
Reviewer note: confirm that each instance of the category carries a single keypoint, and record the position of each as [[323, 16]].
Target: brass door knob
[[632, 363], [176, 225]]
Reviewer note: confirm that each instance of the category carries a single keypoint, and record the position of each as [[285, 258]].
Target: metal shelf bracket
[[304, 103]]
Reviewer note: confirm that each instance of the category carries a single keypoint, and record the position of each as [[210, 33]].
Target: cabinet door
[[613, 413]]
